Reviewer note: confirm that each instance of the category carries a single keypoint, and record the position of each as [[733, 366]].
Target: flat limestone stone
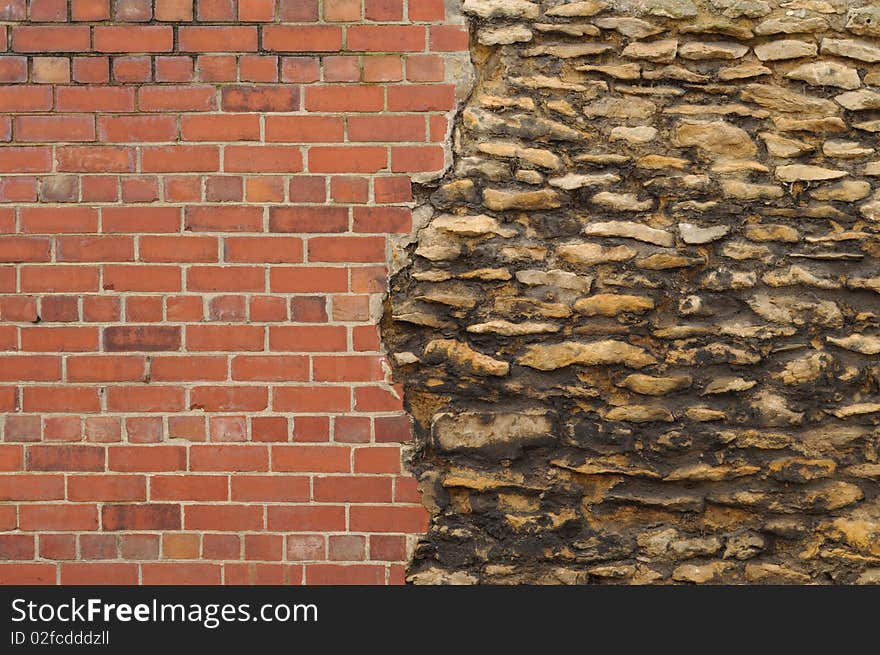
[[597, 353], [578, 9], [661, 51], [852, 49], [826, 73], [699, 51], [629, 230], [718, 137], [482, 430], [785, 49], [612, 304], [501, 8], [806, 173], [858, 100], [499, 200], [696, 235]]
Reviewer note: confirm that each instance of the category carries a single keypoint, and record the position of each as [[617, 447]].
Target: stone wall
[[640, 325]]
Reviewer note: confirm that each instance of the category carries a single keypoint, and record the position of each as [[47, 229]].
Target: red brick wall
[[196, 201]]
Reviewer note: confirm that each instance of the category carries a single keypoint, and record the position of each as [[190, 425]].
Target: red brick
[[224, 338], [59, 339], [107, 487], [311, 399], [224, 517], [217, 39], [345, 98], [90, 10], [94, 98], [229, 458], [357, 489], [256, 10], [377, 459], [141, 517], [314, 459], [225, 219], [105, 369], [265, 159], [153, 38], [274, 249], [162, 573], [170, 159], [263, 547], [260, 98], [347, 159], [389, 519], [54, 128], [145, 399], [302, 38], [61, 38], [386, 38], [220, 127], [28, 159], [31, 487], [176, 98], [396, 220], [306, 518], [27, 574], [305, 129], [24, 249], [17, 546], [347, 547], [345, 574], [189, 487], [146, 458], [67, 517], [134, 129], [94, 249], [58, 399], [308, 219], [386, 10], [54, 220], [174, 10], [270, 368], [95, 159], [140, 219], [270, 488]]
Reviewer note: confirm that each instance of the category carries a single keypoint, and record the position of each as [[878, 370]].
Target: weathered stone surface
[[499, 200], [505, 35], [851, 48], [785, 49], [676, 9], [712, 50], [780, 146], [860, 343], [594, 253], [803, 172], [634, 28], [782, 100], [648, 385], [464, 358], [612, 304], [579, 9], [630, 230], [743, 72], [597, 353], [674, 247], [501, 8], [471, 430], [661, 51], [858, 100], [718, 137], [826, 73]]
